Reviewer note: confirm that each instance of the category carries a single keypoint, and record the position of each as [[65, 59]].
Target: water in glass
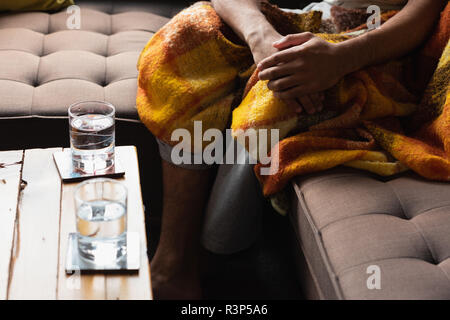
[[92, 133], [101, 220]]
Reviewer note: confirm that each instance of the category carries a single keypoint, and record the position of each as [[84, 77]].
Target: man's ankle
[[172, 265]]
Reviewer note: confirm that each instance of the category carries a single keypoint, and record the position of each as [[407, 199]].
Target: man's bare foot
[[175, 280], [180, 287]]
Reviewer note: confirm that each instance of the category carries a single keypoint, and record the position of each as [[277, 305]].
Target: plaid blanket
[[384, 119]]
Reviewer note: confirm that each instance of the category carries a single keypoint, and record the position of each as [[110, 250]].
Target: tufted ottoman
[[44, 66], [346, 221]]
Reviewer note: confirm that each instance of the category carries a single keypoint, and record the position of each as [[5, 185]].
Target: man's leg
[[175, 266], [233, 215]]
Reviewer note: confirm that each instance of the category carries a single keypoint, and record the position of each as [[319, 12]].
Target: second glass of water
[[101, 213], [92, 135]]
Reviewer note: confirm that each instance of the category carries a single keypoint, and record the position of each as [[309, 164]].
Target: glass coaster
[[68, 173], [129, 263]]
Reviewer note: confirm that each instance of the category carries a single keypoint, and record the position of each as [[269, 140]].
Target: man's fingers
[[307, 104], [292, 93], [290, 49], [294, 104], [279, 57], [276, 72], [284, 83], [317, 99], [292, 40]]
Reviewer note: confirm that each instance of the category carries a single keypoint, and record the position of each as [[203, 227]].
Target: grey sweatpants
[[233, 214]]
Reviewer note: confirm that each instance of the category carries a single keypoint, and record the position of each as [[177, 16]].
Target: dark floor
[[265, 271]]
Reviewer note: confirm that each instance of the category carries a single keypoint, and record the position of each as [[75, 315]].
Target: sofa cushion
[[45, 67], [347, 220]]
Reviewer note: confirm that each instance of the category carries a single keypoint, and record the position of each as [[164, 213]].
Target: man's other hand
[[304, 66], [261, 42]]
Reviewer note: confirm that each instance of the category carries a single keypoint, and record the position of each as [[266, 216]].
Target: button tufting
[[60, 65], [401, 226]]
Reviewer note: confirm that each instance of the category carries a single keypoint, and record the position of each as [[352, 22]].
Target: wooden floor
[[36, 216]]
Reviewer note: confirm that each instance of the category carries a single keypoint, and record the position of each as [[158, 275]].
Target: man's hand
[[261, 45], [305, 66], [311, 103]]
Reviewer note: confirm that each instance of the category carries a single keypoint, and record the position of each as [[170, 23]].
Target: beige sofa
[[344, 220], [45, 67], [348, 222]]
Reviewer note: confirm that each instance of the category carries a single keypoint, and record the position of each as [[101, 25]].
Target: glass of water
[[101, 214], [92, 133]]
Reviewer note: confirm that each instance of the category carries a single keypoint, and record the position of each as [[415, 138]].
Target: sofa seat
[[347, 220], [45, 67]]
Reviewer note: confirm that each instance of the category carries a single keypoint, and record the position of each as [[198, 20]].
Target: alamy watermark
[[74, 280], [374, 21], [73, 22], [207, 147], [374, 280]]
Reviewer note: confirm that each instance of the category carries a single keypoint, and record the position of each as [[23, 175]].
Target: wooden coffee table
[[36, 217]]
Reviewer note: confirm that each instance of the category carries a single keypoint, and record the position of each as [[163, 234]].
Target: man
[[299, 67]]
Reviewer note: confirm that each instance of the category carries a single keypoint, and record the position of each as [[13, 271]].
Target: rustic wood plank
[[35, 256], [9, 194], [76, 286], [138, 286], [98, 286]]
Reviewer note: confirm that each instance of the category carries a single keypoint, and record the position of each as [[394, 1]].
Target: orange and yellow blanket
[[380, 119]]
